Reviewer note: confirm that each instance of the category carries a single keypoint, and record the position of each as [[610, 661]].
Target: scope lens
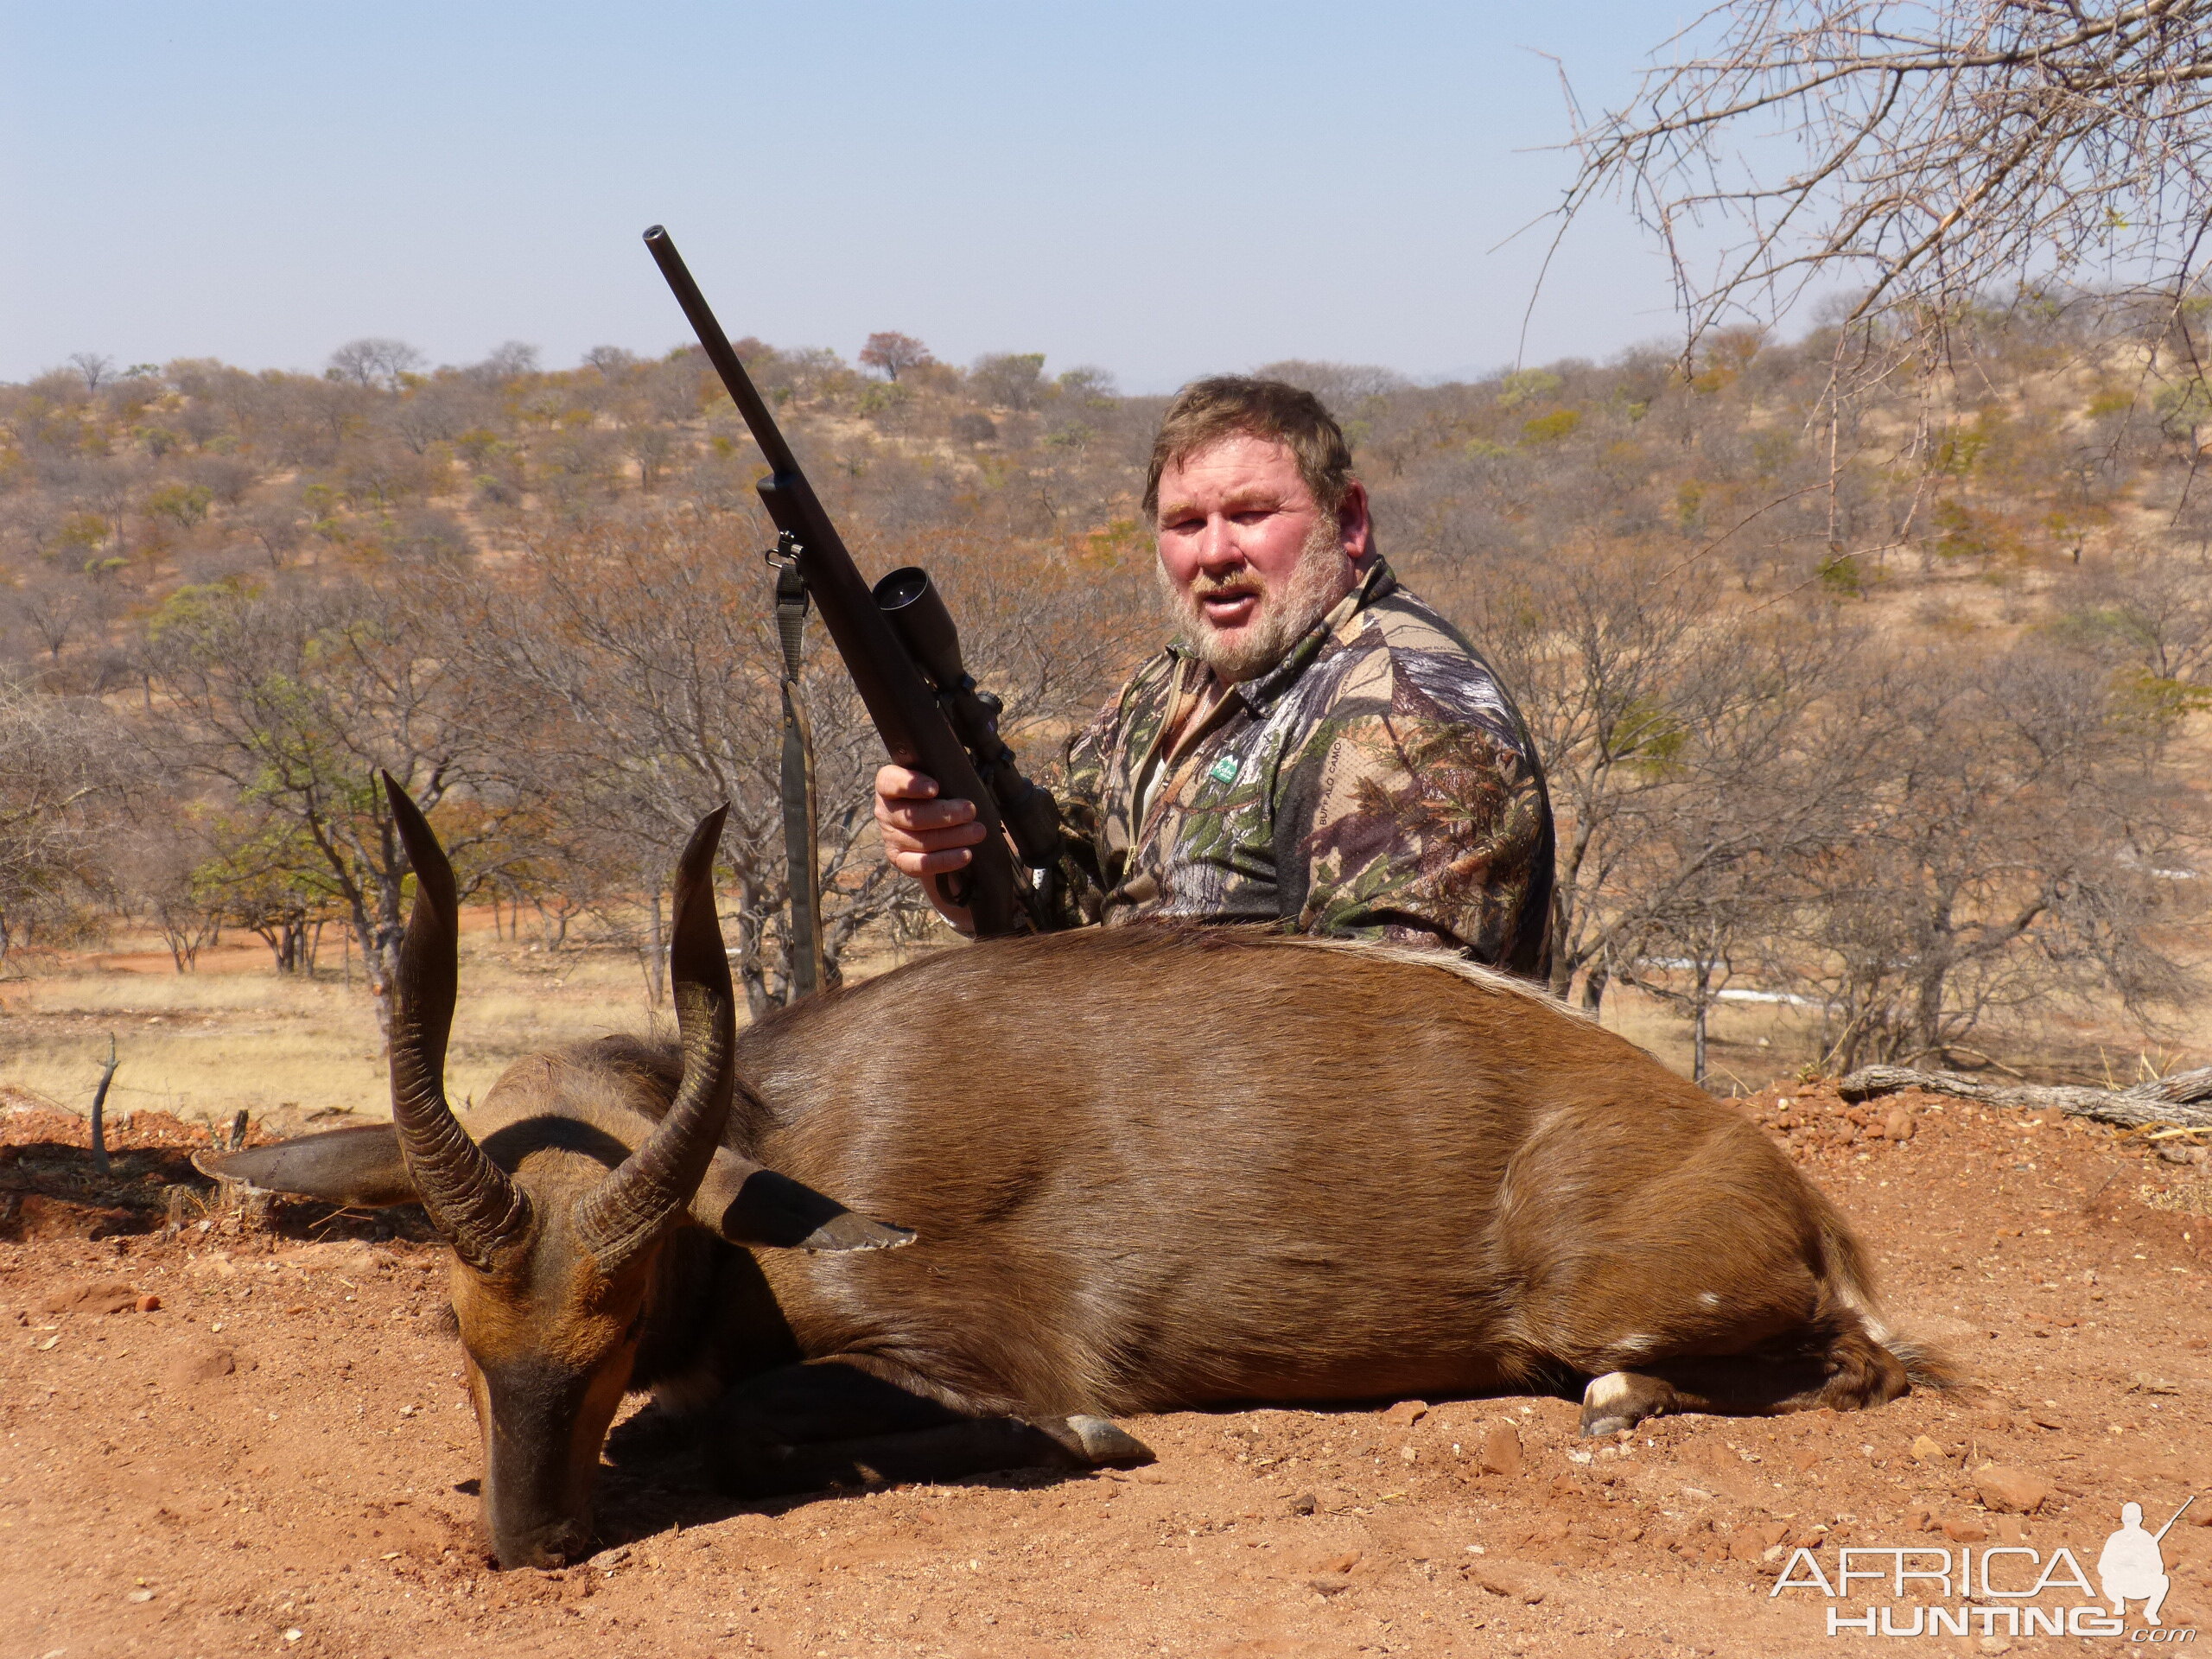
[[902, 588]]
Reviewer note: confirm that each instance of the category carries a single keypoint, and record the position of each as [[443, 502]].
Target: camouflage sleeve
[[1417, 821], [1078, 884]]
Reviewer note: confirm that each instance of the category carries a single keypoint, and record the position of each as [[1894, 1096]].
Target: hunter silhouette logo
[[2131, 1568], [1995, 1590]]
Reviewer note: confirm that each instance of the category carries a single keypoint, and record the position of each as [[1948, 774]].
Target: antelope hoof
[[1621, 1400], [1100, 1444]]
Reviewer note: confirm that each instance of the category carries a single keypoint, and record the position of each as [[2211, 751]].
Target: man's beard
[[1280, 619]]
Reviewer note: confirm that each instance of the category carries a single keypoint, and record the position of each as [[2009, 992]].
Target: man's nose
[[1218, 545]]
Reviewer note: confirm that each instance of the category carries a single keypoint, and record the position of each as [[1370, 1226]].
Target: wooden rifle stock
[[900, 700]]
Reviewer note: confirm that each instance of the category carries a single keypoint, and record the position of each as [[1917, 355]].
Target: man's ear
[[1354, 523], [360, 1166], [750, 1205]]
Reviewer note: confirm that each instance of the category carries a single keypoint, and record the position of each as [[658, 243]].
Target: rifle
[[2175, 1517], [900, 646]]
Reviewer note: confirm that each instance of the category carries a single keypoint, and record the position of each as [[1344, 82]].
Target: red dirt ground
[[277, 1458]]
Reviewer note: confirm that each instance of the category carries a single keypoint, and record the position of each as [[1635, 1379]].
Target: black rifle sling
[[801, 861]]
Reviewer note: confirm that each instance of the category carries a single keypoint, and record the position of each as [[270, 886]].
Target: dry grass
[[203, 1044], [2191, 1198], [234, 1034], [1749, 1044]]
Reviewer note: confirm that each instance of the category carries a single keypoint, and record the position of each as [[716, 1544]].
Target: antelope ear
[[361, 1167], [750, 1205]]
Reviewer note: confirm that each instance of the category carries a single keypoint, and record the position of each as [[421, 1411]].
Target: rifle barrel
[[720, 353], [900, 700]]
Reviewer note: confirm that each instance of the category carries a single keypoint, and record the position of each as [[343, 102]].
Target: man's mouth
[[1230, 608]]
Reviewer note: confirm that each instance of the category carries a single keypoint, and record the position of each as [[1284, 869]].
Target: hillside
[[1885, 723]]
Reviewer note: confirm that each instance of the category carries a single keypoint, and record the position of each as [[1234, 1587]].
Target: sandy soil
[[276, 1459]]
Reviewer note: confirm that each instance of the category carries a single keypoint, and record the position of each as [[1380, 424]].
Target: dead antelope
[[1131, 1169]]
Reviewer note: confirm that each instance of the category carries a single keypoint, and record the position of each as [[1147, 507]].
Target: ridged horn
[[470, 1199], [653, 1186]]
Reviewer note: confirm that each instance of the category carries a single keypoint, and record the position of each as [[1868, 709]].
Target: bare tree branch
[[1925, 151]]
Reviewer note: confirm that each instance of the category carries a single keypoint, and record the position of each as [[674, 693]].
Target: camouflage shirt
[[1378, 783]]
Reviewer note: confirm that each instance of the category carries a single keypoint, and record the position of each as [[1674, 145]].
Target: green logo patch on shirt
[[1224, 770]]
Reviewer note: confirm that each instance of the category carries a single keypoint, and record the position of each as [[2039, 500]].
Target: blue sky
[[1159, 189]]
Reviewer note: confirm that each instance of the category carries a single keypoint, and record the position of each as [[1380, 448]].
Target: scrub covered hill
[[1891, 716]]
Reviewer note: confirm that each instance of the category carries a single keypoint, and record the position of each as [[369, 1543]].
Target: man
[[1319, 749], [2131, 1566]]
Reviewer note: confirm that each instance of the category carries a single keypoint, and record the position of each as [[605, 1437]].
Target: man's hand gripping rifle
[[903, 652]]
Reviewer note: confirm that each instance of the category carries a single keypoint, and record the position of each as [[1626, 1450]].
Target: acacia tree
[[2018, 846], [56, 612], [97, 368], [157, 864], [1699, 929], [264, 872], [59, 758], [1770, 767], [2152, 617], [644, 652], [1680, 740], [295, 698], [375, 361], [1012, 380], [893, 351]]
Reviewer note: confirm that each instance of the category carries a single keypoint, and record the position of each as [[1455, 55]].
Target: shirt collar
[[1261, 690]]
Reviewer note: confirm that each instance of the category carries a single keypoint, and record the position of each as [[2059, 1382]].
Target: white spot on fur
[[1876, 1327], [1608, 1390], [1711, 1298]]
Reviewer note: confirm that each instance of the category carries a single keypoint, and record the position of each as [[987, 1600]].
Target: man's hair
[[1237, 405]]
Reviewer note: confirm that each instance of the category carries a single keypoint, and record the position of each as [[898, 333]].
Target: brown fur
[[1156, 1168]]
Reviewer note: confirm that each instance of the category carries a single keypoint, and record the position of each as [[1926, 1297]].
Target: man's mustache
[[1244, 582]]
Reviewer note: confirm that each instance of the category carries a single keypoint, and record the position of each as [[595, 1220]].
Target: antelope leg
[[856, 1420], [1835, 1365], [951, 1452], [1621, 1400]]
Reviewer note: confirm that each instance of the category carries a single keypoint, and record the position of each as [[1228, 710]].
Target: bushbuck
[[957, 1218]]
